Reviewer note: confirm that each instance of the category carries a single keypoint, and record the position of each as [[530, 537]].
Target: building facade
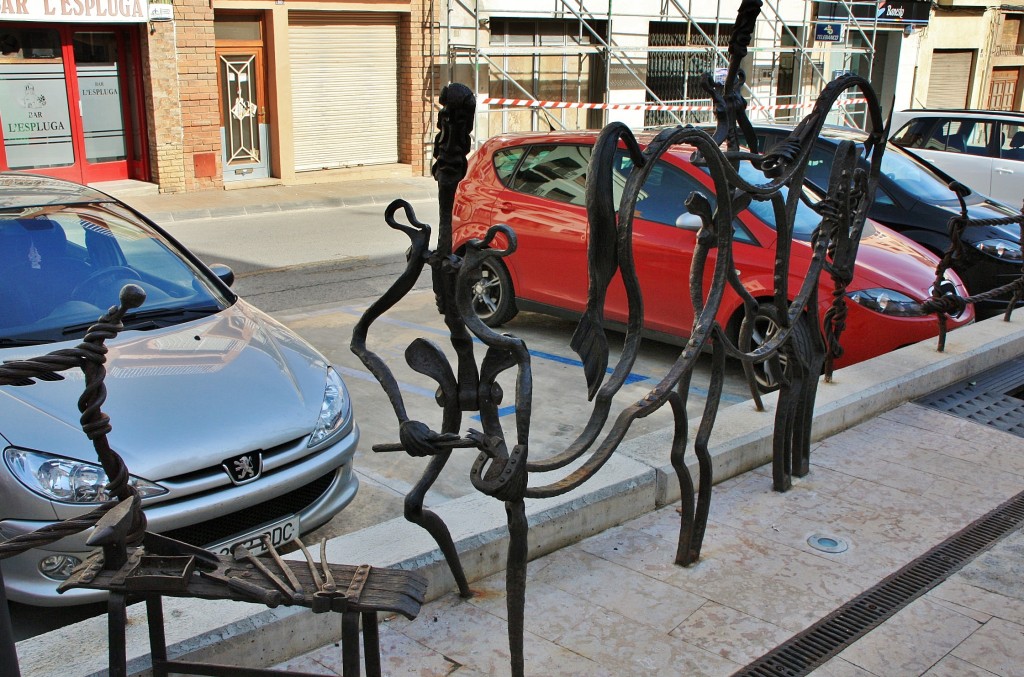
[[212, 92], [72, 99], [972, 56], [642, 62]]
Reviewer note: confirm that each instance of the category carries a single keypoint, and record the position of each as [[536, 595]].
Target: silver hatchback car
[[230, 425]]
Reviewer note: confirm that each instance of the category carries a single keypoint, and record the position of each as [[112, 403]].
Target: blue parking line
[[367, 376], [631, 379]]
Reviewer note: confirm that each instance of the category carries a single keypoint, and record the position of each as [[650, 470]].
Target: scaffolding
[[565, 64]]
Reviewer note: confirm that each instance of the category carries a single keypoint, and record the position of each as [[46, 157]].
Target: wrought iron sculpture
[[944, 304], [503, 468], [134, 563]]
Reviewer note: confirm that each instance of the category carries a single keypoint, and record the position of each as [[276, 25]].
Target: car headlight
[[334, 411], [887, 302], [1005, 250], [949, 288], [68, 480]]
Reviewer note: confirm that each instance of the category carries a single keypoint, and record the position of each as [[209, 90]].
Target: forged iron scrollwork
[[90, 357], [944, 303], [803, 346], [503, 468]]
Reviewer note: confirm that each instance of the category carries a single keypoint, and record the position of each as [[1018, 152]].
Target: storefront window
[[34, 100], [99, 87]]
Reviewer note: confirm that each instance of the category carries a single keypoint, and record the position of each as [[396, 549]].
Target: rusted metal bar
[[371, 644], [350, 644], [157, 636]]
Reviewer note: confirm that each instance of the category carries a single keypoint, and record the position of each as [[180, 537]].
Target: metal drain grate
[[825, 639], [992, 398]]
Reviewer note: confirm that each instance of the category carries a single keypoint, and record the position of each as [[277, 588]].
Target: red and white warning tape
[[530, 103]]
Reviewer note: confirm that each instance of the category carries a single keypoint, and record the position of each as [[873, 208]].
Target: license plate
[[279, 533]]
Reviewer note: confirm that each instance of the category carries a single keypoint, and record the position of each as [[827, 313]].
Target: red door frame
[[130, 80]]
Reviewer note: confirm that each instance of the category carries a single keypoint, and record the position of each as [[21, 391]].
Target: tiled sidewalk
[[614, 604]]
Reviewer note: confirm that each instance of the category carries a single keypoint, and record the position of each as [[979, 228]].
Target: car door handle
[[505, 206], [1004, 170]]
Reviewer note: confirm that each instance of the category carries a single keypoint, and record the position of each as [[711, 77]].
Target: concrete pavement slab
[[616, 600]]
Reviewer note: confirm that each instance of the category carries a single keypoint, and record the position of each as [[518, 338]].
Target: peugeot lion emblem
[[245, 468]]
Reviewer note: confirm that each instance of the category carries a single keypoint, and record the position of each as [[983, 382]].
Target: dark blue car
[[914, 199]]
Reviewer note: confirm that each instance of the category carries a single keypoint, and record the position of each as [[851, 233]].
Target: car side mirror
[[226, 275], [688, 221]]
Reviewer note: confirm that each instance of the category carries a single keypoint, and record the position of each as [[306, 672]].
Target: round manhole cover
[[827, 543]]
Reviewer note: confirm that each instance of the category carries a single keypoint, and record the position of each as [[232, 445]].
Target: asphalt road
[[288, 260]]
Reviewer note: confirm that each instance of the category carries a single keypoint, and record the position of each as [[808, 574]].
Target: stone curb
[[161, 208], [637, 480]]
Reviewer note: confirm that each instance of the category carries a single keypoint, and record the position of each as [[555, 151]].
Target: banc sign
[[68, 11], [883, 11]]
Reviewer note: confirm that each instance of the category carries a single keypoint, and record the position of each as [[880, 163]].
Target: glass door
[[68, 102], [99, 72], [242, 114], [38, 128]]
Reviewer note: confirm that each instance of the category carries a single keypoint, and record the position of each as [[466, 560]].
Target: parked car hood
[[234, 381], [982, 209], [890, 261]]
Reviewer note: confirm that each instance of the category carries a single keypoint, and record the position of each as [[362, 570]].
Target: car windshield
[[63, 267], [914, 177], [906, 172]]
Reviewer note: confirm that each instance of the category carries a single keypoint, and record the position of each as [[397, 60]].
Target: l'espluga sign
[[67, 11]]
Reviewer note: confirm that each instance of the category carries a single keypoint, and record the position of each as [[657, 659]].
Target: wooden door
[[243, 112]]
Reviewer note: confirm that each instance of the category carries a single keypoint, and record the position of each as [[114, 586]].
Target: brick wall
[[416, 134], [180, 70], [163, 110], [181, 76]]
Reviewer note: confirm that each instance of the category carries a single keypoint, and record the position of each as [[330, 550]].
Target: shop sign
[[161, 10], [830, 32], [69, 11], [900, 12]]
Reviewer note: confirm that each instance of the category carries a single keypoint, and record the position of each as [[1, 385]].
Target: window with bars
[[674, 76]]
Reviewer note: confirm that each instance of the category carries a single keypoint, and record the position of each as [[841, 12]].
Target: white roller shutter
[[344, 88], [950, 79]]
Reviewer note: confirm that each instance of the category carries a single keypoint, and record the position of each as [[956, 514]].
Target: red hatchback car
[[536, 182]]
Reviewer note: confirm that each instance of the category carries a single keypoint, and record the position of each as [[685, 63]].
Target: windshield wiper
[[151, 316], [168, 313], [8, 342]]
